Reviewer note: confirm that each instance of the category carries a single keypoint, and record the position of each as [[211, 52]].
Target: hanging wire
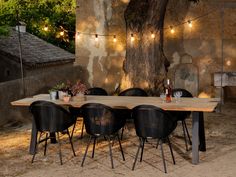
[[193, 19], [94, 34]]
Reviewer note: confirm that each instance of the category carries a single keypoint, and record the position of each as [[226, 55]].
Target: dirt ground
[[218, 161]]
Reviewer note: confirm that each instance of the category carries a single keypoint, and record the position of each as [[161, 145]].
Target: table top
[[185, 104]]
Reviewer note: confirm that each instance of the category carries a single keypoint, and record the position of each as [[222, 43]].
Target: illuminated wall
[[201, 42]]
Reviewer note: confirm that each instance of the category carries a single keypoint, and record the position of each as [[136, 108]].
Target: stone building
[[44, 66], [37, 56]]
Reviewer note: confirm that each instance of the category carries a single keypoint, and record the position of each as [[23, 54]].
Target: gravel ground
[[218, 161]]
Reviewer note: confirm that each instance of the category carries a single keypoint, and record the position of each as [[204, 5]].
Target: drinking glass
[[178, 95], [163, 97]]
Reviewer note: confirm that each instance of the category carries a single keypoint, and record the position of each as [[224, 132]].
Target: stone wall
[[103, 59], [202, 43], [9, 70], [13, 90]]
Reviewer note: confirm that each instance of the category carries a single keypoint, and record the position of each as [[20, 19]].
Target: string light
[[190, 24], [152, 35], [228, 63], [132, 37], [96, 37], [62, 33], [45, 28], [172, 30], [114, 39], [78, 35]]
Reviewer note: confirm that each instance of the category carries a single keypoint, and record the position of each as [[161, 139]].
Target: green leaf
[[4, 30]]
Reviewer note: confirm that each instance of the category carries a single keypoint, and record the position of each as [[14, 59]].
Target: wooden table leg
[[33, 139], [202, 139], [195, 138]]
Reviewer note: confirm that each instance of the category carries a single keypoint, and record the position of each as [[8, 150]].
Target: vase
[[61, 95], [53, 95]]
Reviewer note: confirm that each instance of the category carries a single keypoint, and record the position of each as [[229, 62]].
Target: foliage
[[71, 89], [78, 87], [4, 30], [57, 15]]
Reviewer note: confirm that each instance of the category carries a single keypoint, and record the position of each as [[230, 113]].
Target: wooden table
[[196, 105]]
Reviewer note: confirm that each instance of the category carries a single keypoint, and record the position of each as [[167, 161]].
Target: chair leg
[[73, 129], [136, 157], [185, 138], [141, 157], [109, 140], [82, 164], [82, 130], [186, 128], [158, 140], [121, 150], [122, 132], [169, 143], [94, 144], [59, 146], [163, 157], [45, 146], [70, 139], [36, 148]]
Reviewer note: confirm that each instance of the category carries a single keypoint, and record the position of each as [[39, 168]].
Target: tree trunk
[[145, 65]]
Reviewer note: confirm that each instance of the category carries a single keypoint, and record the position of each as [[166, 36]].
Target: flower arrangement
[[71, 89], [78, 88], [74, 89]]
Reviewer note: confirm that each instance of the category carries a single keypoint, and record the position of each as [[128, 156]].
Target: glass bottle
[[168, 91]]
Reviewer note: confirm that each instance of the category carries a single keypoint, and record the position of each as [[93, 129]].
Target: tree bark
[[145, 65]]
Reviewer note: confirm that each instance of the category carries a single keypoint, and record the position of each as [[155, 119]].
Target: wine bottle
[[168, 91]]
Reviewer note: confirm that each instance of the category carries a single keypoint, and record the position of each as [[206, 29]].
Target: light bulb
[[78, 35], [45, 28], [190, 24], [172, 30], [114, 39], [62, 33], [96, 37], [132, 37], [152, 35], [228, 63]]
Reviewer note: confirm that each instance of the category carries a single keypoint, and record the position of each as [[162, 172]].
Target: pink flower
[[78, 87]]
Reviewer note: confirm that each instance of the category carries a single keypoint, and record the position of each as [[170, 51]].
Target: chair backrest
[[91, 91], [97, 91], [133, 92], [100, 119], [48, 116], [185, 93], [151, 121]]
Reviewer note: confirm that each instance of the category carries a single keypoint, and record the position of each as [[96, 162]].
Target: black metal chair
[[182, 115], [100, 120], [76, 112], [97, 91], [153, 122], [126, 113], [50, 118], [133, 92]]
